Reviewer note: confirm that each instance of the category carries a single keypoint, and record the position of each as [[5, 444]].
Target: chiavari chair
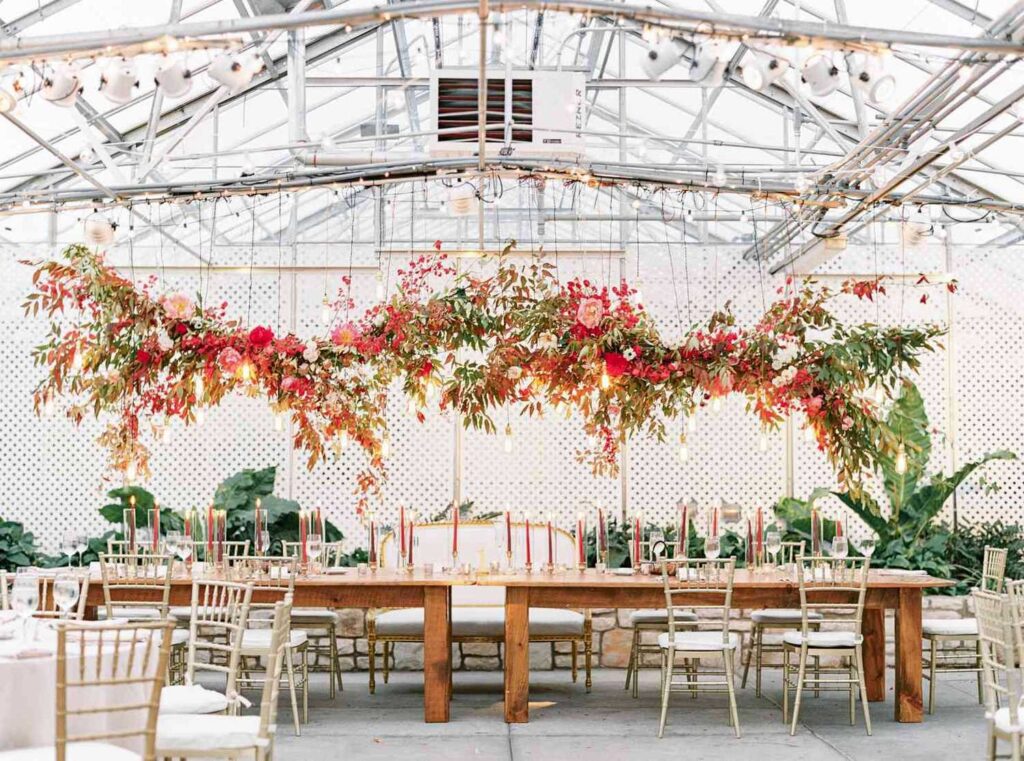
[[836, 589], [964, 656], [232, 736], [705, 587], [1000, 669], [220, 613]]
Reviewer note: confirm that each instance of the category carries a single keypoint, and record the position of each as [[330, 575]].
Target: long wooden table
[[589, 589], [380, 589]]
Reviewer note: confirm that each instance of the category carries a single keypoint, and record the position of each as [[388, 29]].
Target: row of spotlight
[[819, 73], [120, 78]]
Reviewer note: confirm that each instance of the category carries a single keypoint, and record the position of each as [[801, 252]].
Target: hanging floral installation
[[514, 342]]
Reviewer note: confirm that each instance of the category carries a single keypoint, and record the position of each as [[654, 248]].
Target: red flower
[[260, 336], [615, 364], [181, 328], [143, 357]]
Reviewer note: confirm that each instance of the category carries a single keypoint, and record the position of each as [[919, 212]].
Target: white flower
[[788, 351], [819, 335], [164, 341], [629, 355], [547, 341], [311, 353], [514, 373]]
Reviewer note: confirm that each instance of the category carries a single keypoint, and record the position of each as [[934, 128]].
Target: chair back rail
[[220, 613], [790, 551], [125, 575], [271, 578], [129, 659], [48, 607], [703, 586], [1015, 599], [331, 554], [993, 569], [833, 588], [5, 604], [272, 684], [998, 650]]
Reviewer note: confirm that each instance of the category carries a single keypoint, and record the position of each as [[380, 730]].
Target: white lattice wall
[[52, 469]]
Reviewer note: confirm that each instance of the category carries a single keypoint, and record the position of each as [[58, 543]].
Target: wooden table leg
[[437, 654], [874, 653], [909, 697], [517, 655]]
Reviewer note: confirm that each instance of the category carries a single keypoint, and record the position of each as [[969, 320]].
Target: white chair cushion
[[710, 641], [86, 751], [553, 622], [191, 699], [781, 615], [134, 614], [823, 639], [182, 612], [205, 732], [482, 621], [967, 627], [256, 641], [1002, 720], [179, 637], [312, 616], [659, 616]]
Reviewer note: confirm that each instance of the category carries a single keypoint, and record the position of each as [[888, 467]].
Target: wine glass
[[712, 547], [867, 546], [265, 541], [69, 545], [81, 545], [65, 592], [773, 543], [314, 545], [25, 596], [172, 543], [185, 545]]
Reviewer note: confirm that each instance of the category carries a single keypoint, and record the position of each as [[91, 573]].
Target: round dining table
[[28, 690]]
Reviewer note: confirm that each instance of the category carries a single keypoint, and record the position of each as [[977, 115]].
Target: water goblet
[[840, 547], [65, 592], [867, 546], [314, 545], [81, 545], [25, 596], [69, 545], [712, 548], [773, 543]]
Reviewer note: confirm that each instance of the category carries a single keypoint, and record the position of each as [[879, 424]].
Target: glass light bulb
[[131, 471], [809, 435], [200, 415], [343, 440], [198, 386], [49, 406], [325, 312], [385, 447], [410, 407], [245, 371], [76, 362], [900, 465], [716, 405], [380, 285], [606, 382], [508, 439], [762, 443], [684, 453], [278, 422], [691, 423]]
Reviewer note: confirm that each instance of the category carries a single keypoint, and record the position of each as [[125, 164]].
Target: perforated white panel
[[53, 469]]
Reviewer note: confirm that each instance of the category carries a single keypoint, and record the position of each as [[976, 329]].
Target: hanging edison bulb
[[900, 464], [684, 451], [165, 429], [385, 446], [197, 386], [606, 381], [429, 389], [716, 405], [508, 438], [49, 405], [762, 442], [638, 296], [325, 312], [131, 471], [76, 361], [245, 371], [200, 415], [809, 435], [278, 422], [410, 407], [343, 440], [691, 423], [379, 277]]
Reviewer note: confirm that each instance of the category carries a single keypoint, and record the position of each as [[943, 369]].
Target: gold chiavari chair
[[48, 607], [233, 550], [320, 624], [220, 613], [964, 656], [109, 678], [768, 625], [233, 737], [1000, 671], [1015, 591], [272, 580], [5, 604], [705, 587], [137, 587], [836, 589]]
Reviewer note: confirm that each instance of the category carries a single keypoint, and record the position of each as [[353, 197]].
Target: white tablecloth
[[28, 697]]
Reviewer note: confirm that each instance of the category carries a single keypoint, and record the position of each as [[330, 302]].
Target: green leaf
[[908, 423]]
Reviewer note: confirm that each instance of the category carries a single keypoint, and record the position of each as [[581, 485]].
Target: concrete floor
[[566, 723]]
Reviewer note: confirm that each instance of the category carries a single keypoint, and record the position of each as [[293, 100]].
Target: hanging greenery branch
[[515, 340]]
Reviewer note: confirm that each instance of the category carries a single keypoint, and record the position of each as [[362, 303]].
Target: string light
[[508, 438], [131, 471], [900, 464], [76, 361], [198, 386], [716, 405], [325, 312], [278, 422], [606, 382], [49, 405], [691, 423], [245, 371], [379, 277], [199, 415], [762, 443], [343, 440], [385, 446]]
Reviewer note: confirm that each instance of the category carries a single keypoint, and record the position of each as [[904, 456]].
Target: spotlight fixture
[[916, 227], [820, 74], [234, 71], [867, 74], [660, 57], [709, 63], [761, 71], [61, 87], [462, 200], [99, 231], [174, 79], [117, 81]]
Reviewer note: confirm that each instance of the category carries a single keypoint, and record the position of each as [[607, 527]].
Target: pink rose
[[847, 423], [178, 306], [229, 359], [344, 335], [590, 312], [261, 336]]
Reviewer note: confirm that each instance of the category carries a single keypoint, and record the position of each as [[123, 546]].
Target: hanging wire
[[252, 262], [686, 267], [757, 255], [672, 269], [280, 247]]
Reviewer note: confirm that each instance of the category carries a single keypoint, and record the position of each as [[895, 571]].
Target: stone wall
[[612, 639]]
